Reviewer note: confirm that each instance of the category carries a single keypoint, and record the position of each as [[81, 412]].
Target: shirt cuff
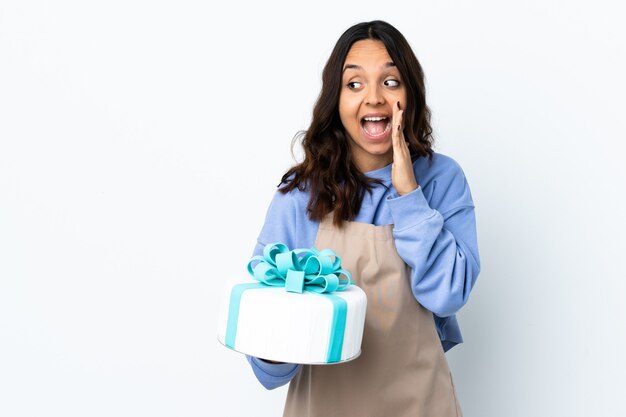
[[410, 209], [274, 369]]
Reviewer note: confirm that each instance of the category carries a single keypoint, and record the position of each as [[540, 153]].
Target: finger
[[397, 138], [397, 111], [401, 143], [394, 131], [400, 122]]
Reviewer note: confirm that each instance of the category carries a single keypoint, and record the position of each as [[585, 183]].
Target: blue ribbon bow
[[315, 270]]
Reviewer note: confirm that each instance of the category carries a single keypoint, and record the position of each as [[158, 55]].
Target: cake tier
[[291, 327]]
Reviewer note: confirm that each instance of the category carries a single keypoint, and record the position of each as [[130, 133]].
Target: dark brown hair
[[334, 180]]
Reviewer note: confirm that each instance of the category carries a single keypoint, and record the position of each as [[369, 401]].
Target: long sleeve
[[439, 244]]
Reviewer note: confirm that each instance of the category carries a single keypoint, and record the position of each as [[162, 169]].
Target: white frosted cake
[[308, 328]]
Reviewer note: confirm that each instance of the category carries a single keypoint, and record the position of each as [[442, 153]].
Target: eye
[[392, 81], [351, 83]]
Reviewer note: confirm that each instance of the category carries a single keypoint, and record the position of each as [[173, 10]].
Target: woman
[[401, 216]]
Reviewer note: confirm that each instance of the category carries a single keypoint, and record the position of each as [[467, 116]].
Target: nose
[[373, 95]]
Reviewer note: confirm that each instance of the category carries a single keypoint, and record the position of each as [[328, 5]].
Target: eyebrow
[[358, 67]]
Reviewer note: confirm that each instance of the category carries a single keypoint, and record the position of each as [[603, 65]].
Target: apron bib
[[402, 369]]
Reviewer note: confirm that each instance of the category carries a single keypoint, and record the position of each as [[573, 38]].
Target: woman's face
[[371, 86]]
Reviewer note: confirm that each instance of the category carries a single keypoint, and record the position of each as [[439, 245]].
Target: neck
[[372, 163]]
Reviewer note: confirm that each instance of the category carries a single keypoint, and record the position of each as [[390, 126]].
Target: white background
[[141, 143]]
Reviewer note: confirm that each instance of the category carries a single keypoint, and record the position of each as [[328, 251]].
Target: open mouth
[[376, 126]]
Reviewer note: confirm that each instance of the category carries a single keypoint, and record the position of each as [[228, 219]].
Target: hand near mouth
[[402, 175]]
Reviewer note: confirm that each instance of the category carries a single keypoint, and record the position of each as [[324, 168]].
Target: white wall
[[140, 144]]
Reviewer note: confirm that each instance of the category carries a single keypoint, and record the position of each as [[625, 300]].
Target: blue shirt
[[434, 232]]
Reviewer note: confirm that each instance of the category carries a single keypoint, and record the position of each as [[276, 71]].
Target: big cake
[[301, 308]]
